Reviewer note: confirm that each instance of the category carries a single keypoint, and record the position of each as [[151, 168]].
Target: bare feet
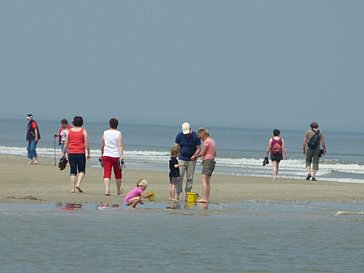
[[79, 189], [120, 192], [30, 162], [202, 201]]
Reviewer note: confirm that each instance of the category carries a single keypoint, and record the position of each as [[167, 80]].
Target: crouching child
[[136, 195]]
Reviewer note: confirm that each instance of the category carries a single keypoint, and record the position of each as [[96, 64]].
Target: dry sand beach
[[46, 183]]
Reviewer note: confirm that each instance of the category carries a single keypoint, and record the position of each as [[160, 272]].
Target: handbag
[[62, 163]]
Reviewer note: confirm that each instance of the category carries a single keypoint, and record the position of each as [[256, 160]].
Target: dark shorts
[[276, 157], [173, 180], [208, 166], [77, 163]]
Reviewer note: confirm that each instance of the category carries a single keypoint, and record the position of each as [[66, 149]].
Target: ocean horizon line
[[202, 124]]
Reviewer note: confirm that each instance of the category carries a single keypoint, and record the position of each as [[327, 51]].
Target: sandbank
[[44, 182]]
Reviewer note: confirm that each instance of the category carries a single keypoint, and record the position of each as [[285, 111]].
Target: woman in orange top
[[76, 144]]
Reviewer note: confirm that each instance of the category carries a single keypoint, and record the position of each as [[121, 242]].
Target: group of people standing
[[313, 147], [187, 148], [184, 154], [74, 142]]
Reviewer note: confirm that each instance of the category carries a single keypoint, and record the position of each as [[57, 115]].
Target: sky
[[256, 63]]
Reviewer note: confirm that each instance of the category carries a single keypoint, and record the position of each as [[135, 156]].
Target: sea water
[[240, 151], [238, 237]]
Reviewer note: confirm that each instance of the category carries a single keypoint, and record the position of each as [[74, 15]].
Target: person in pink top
[[136, 195], [76, 146], [208, 154], [276, 148]]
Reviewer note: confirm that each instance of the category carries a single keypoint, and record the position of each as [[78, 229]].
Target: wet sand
[[44, 182]]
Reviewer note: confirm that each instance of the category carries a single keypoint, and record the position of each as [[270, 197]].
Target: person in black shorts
[[276, 148]]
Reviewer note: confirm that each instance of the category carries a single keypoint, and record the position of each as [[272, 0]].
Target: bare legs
[[119, 190], [73, 183], [173, 195], [206, 188], [76, 182], [275, 166], [133, 202], [311, 173], [107, 186]]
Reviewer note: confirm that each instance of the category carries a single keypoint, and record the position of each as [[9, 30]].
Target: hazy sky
[[257, 63]]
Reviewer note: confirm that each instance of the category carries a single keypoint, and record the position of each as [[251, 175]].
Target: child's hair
[[142, 182], [174, 151]]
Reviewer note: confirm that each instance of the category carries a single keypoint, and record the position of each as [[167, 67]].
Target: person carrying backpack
[[312, 142], [276, 148], [32, 138]]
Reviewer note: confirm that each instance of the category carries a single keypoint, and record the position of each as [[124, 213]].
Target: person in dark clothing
[[313, 151], [189, 145], [276, 148], [32, 138], [173, 174]]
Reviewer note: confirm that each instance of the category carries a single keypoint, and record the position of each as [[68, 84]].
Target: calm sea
[[242, 237], [240, 150]]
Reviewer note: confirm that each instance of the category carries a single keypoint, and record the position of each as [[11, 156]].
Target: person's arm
[[102, 144], [65, 149], [36, 133], [87, 145], [176, 145], [305, 139], [147, 194], [268, 148], [199, 152], [322, 141], [121, 146], [179, 164], [59, 136], [284, 149]]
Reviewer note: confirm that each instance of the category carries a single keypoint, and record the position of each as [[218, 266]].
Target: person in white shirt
[[112, 155]]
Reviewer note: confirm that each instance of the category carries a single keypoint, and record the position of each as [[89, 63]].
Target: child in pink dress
[[136, 195]]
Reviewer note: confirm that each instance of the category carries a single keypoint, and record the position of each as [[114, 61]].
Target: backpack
[[314, 141], [276, 146]]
